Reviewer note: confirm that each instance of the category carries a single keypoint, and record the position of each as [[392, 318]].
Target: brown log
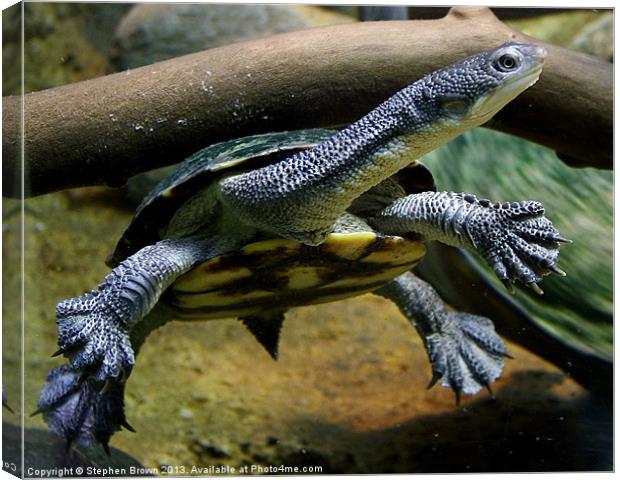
[[103, 131]]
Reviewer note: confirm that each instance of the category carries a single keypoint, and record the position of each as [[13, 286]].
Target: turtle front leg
[[93, 330], [515, 238], [465, 352]]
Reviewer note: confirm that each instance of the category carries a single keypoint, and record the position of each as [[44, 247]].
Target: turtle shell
[[206, 165], [277, 274]]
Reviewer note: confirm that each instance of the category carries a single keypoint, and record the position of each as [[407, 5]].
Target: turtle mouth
[[515, 85], [490, 104]]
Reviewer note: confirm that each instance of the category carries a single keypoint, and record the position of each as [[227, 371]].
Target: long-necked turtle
[[255, 226]]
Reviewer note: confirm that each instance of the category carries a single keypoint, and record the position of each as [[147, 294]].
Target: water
[[348, 391]]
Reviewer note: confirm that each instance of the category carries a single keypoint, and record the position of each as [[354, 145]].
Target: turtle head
[[468, 93]]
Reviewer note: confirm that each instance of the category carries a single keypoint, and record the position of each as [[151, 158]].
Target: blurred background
[[348, 391]]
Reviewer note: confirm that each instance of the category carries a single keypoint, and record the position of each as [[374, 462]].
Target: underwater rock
[[153, 32], [585, 30], [45, 456], [596, 38], [63, 43]]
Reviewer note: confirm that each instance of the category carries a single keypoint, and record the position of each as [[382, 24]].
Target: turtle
[[255, 226]]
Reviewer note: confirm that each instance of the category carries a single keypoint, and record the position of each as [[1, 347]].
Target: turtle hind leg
[[85, 411], [464, 351], [466, 356], [74, 408]]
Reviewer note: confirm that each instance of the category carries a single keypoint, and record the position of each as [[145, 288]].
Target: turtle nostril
[[541, 52]]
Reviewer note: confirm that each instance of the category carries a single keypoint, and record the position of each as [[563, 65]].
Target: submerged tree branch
[[104, 130]]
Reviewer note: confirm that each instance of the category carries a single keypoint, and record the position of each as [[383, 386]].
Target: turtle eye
[[455, 106], [507, 62]]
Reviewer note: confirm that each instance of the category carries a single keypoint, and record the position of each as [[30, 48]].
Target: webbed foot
[[74, 408], [92, 332], [465, 353], [516, 240]]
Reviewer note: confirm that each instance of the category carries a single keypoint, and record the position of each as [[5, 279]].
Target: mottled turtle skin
[[203, 168], [255, 226], [273, 273]]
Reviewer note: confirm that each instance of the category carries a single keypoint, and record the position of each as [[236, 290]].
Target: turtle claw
[[5, 401], [557, 271], [108, 384], [518, 242], [106, 448], [79, 412], [434, 380], [509, 286], [489, 388], [124, 423], [67, 352], [534, 286], [465, 353]]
